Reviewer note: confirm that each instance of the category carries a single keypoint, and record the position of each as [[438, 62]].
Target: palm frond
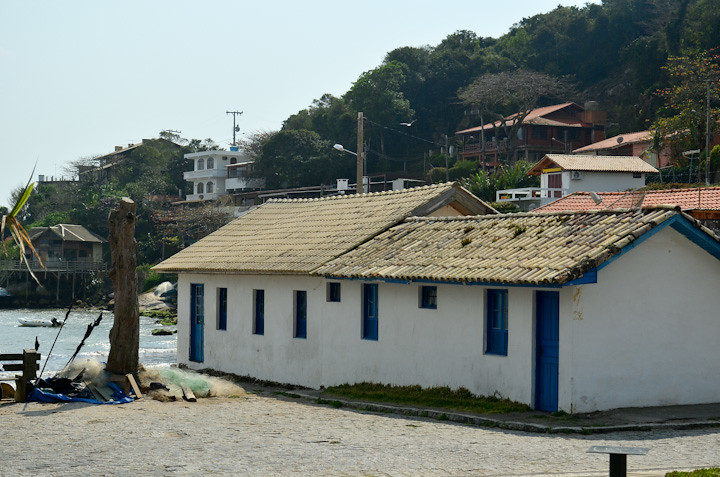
[[17, 231]]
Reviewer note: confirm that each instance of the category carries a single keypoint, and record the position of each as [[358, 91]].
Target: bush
[[148, 278]]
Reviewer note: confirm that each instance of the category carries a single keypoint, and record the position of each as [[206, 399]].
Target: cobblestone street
[[260, 435]]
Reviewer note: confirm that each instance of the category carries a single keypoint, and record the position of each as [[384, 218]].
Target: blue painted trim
[[698, 237], [439, 282], [638, 241], [588, 277]]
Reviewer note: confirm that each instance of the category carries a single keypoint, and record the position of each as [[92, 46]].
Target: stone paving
[[263, 435]]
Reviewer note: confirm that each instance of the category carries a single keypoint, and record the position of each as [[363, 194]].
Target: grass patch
[[164, 317], [440, 397], [709, 472], [286, 394], [335, 404]]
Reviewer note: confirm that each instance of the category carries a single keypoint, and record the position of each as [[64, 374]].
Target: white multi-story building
[[217, 173]]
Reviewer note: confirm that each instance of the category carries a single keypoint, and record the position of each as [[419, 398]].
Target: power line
[[401, 132]]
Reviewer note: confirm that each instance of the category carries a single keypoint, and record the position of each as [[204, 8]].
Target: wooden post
[[29, 373], [125, 333]]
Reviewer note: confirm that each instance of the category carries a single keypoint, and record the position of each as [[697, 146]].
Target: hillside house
[[551, 310], [218, 173], [562, 174], [102, 167], [552, 129], [64, 244], [636, 144]]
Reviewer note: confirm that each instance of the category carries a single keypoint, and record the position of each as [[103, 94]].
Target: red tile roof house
[[562, 174], [702, 203], [551, 129], [629, 144]]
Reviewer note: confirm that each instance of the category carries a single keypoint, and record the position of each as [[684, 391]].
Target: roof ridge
[[369, 194]]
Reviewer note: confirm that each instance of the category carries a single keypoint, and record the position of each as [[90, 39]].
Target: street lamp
[[360, 154], [340, 147], [361, 180]]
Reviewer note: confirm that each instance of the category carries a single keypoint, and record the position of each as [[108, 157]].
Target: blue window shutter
[[259, 312], [497, 322], [300, 314], [222, 309], [370, 311]]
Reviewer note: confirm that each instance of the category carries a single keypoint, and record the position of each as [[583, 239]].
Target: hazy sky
[[78, 78]]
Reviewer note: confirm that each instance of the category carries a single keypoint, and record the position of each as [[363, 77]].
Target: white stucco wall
[[602, 182], [437, 347], [597, 182], [644, 335], [647, 333]]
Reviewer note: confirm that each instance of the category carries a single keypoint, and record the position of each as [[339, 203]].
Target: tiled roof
[[68, 233], [536, 249], [592, 163], [617, 141], [534, 117], [296, 236], [705, 198]]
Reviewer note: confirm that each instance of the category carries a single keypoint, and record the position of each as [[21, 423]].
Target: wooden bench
[[28, 363]]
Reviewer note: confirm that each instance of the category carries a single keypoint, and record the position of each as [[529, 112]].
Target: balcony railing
[[204, 173], [534, 195], [79, 265]]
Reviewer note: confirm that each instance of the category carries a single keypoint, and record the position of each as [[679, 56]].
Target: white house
[[571, 311], [562, 174], [216, 173]]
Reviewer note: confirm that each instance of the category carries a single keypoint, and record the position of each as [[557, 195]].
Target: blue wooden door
[[370, 311], [547, 347], [197, 321]]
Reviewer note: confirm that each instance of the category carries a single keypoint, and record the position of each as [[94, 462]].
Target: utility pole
[[360, 156], [482, 141], [236, 128], [447, 155], [707, 137]]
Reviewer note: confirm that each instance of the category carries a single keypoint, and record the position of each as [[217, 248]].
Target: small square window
[[333, 291], [637, 175], [428, 297]]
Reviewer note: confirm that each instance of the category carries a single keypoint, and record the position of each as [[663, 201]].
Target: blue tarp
[[38, 395]]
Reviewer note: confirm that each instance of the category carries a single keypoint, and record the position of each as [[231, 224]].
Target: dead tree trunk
[[125, 333]]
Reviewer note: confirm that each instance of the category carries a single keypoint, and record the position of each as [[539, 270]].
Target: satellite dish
[[620, 139]]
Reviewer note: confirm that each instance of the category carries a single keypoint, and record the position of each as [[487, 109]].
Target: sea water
[[154, 350]]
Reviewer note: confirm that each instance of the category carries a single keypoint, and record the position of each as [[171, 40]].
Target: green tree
[[485, 184], [298, 158], [682, 124], [511, 96]]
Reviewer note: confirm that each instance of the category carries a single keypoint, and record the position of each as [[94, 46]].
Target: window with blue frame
[[333, 291], [496, 305], [222, 309], [428, 297], [300, 314], [259, 312]]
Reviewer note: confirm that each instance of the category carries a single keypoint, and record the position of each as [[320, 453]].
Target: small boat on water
[[54, 323]]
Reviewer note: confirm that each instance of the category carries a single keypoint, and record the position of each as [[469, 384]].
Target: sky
[[79, 78]]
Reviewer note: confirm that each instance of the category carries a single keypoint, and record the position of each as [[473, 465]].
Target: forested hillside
[[613, 53]]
